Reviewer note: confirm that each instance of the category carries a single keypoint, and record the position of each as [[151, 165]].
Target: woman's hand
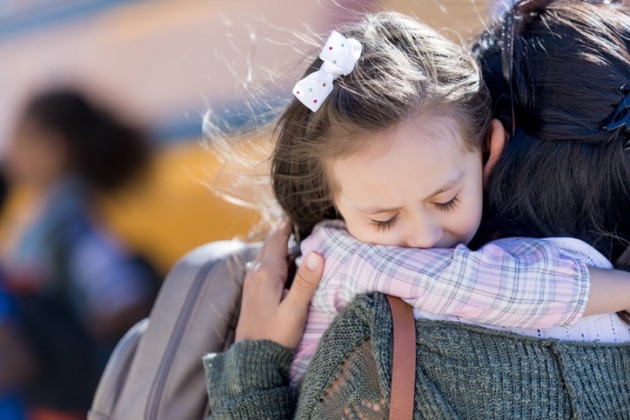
[[268, 310]]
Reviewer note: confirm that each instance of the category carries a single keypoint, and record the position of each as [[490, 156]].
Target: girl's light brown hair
[[406, 69]]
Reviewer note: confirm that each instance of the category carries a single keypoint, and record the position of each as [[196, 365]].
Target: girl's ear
[[496, 143]]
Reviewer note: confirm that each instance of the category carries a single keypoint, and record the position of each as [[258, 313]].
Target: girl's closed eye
[[384, 225], [448, 205]]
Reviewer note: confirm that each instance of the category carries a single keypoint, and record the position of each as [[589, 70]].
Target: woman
[[565, 171]]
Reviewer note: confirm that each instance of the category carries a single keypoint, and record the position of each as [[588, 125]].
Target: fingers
[[276, 243], [265, 315], [305, 283], [270, 266]]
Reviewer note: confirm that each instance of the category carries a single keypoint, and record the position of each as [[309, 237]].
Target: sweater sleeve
[[249, 381], [513, 282]]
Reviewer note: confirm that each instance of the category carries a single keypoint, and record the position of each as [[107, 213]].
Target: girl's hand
[[268, 310]]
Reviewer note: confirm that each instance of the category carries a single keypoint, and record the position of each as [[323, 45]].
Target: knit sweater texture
[[463, 372]]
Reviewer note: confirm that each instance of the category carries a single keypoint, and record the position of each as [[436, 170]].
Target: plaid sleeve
[[516, 282]]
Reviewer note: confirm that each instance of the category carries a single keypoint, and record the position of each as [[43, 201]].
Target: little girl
[[391, 133]]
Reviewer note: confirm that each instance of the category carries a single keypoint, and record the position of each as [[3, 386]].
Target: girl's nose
[[424, 234]]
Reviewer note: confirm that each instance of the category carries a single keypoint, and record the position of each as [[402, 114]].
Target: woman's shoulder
[[460, 368]]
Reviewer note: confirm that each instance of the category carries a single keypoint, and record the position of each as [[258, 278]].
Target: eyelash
[[385, 225], [448, 206]]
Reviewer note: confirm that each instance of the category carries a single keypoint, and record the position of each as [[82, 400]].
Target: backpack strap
[[404, 361]]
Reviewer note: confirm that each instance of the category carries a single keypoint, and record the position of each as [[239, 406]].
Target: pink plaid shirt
[[515, 282]]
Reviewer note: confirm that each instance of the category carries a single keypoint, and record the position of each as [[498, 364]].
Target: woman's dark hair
[[104, 150], [561, 173], [405, 69]]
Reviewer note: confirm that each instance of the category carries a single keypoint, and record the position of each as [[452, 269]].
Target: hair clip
[[621, 116], [339, 55]]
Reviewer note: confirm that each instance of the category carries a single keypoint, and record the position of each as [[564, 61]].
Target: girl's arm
[[610, 291], [522, 283]]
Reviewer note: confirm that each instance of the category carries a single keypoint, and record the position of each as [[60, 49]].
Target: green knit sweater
[[463, 372]]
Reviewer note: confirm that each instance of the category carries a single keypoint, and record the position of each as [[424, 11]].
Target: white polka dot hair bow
[[340, 54]]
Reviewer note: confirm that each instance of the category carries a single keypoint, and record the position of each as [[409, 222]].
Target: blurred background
[[150, 69], [162, 64]]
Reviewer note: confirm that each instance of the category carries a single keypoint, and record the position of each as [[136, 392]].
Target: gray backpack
[[155, 372]]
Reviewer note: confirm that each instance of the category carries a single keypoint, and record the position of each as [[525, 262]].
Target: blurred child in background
[[79, 288]]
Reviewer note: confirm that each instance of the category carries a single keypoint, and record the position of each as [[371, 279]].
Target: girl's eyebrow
[[453, 182], [378, 210], [448, 184]]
